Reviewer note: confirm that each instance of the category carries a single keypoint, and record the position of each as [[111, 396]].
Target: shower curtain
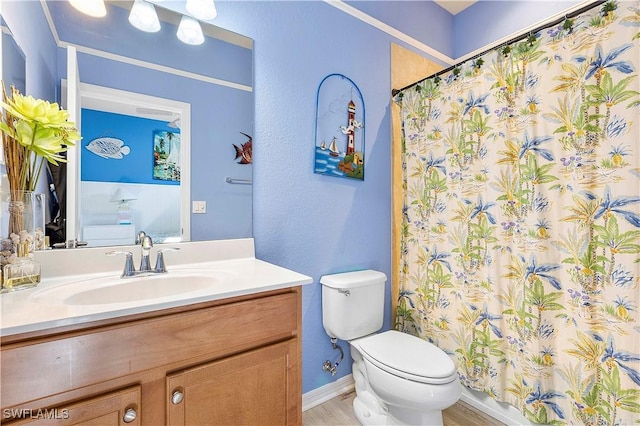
[[520, 242]]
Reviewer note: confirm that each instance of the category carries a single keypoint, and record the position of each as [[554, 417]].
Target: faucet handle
[[129, 269], [70, 244], [161, 267]]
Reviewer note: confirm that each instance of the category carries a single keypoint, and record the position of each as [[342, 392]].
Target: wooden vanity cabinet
[[228, 362], [114, 408], [250, 388]]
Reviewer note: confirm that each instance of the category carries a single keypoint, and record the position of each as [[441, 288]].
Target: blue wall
[[136, 133], [489, 20], [425, 21], [311, 223]]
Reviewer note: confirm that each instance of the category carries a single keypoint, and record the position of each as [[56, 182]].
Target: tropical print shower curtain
[[520, 246]]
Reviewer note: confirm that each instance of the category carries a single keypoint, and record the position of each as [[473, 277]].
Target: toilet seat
[[408, 357]]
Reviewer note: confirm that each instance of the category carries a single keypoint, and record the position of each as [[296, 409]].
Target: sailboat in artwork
[[174, 156], [323, 145], [333, 149]]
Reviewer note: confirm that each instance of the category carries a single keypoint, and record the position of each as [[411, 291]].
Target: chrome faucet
[[145, 264], [146, 244]]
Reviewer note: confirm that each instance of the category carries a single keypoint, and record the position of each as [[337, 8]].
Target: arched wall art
[[339, 144]]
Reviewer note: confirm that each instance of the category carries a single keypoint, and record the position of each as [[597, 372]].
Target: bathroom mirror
[[214, 79]]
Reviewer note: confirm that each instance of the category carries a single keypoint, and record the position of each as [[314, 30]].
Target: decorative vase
[[22, 217]]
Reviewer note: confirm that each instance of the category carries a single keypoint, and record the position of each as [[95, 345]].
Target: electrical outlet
[[199, 207]]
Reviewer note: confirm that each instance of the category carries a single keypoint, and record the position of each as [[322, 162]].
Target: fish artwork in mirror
[[157, 119], [107, 147], [244, 152]]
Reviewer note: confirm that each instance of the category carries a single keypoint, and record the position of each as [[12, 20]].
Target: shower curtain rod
[[597, 3]]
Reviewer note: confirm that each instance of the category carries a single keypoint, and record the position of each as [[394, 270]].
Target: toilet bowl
[[400, 379], [412, 378]]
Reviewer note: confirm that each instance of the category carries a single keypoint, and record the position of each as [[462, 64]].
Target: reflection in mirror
[[134, 174], [13, 61], [213, 80], [12, 66]]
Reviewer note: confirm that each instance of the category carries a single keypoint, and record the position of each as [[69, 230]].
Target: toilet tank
[[352, 303]]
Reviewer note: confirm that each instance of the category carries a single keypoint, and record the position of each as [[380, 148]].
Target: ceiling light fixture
[[95, 8], [204, 10], [143, 16], [189, 31]]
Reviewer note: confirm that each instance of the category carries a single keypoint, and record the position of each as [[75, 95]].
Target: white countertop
[[31, 310]]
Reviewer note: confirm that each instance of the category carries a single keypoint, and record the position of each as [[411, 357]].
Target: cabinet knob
[[176, 397], [130, 415]]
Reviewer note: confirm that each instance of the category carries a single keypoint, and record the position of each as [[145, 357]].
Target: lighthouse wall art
[[339, 145]]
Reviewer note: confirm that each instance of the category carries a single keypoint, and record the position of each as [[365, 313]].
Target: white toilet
[[400, 379]]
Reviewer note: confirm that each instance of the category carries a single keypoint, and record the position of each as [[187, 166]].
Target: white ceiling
[[455, 6]]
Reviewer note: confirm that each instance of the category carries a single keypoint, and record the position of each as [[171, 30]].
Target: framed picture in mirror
[[166, 155]]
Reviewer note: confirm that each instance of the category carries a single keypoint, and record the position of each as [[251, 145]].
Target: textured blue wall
[[490, 20], [425, 21]]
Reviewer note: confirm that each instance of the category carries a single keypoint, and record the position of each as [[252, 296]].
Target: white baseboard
[[498, 410], [327, 392]]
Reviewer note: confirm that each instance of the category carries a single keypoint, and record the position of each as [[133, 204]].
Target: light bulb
[[95, 8], [189, 31], [143, 16], [204, 10]]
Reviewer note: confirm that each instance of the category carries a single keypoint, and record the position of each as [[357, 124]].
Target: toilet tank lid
[[352, 279]]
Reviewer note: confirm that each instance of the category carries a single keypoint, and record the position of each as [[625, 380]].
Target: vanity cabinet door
[[118, 408], [253, 388]]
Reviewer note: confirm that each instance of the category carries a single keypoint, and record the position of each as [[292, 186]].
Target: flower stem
[[24, 173], [37, 174], [30, 157]]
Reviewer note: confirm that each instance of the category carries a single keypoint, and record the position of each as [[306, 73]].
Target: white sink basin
[[108, 290]]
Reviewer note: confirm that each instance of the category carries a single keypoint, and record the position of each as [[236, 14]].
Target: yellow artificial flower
[[41, 128], [45, 142], [37, 110]]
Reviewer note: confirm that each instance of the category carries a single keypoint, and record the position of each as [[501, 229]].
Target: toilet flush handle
[[344, 291]]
